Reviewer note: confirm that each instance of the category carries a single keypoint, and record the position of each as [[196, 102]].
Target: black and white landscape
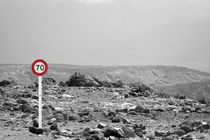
[[98, 102], [118, 69]]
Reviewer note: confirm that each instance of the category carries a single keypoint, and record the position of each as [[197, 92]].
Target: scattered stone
[[73, 117], [21, 101], [162, 133], [25, 115], [132, 113], [113, 132], [202, 101], [51, 121], [93, 134], [101, 125], [2, 93], [34, 130], [112, 114], [139, 88], [186, 128], [112, 138], [54, 127], [139, 108], [116, 120], [60, 116], [5, 83], [62, 84], [182, 97], [205, 126], [126, 95], [128, 133], [139, 130], [187, 137], [35, 123], [26, 95], [180, 132]]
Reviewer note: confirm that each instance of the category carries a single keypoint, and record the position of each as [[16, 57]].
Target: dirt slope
[[171, 79]]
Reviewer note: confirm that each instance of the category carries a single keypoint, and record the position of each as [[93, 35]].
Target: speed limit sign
[[39, 68]]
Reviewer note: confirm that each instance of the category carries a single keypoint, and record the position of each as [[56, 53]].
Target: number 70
[[40, 67]]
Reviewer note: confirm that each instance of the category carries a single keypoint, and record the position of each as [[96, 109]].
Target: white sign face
[[39, 67]]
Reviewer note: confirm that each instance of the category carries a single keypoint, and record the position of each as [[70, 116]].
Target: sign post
[[39, 68], [40, 101]]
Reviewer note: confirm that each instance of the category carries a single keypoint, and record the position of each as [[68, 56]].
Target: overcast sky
[[106, 32]]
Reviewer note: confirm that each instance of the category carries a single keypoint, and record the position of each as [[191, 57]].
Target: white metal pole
[[40, 101]]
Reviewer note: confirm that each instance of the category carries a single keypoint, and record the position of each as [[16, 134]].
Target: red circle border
[[46, 67]]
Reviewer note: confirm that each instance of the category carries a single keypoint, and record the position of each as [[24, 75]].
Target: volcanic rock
[[180, 132], [101, 125], [36, 130], [188, 137], [128, 133], [113, 132], [116, 119], [5, 83], [35, 123]]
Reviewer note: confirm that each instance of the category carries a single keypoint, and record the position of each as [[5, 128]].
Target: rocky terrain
[[172, 80], [84, 107]]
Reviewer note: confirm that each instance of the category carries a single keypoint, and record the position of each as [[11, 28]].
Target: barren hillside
[[170, 79]]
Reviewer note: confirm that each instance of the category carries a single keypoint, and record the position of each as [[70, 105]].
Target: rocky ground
[[133, 112]]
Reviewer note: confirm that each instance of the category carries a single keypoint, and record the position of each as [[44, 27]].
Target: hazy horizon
[[106, 32], [140, 65]]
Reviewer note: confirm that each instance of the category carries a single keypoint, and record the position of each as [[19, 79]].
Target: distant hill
[[170, 79]]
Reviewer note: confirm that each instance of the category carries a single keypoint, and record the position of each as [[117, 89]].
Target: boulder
[[139, 108], [132, 113], [162, 133], [21, 101], [182, 97], [73, 117], [180, 132], [187, 137], [128, 133], [205, 126], [35, 123], [139, 129], [54, 127], [202, 101], [26, 95], [113, 138], [62, 84], [51, 121], [126, 95], [186, 128], [93, 134], [112, 114], [101, 125], [2, 94], [5, 83], [60, 116], [139, 88], [113, 132], [78, 80], [116, 119], [37, 131]]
